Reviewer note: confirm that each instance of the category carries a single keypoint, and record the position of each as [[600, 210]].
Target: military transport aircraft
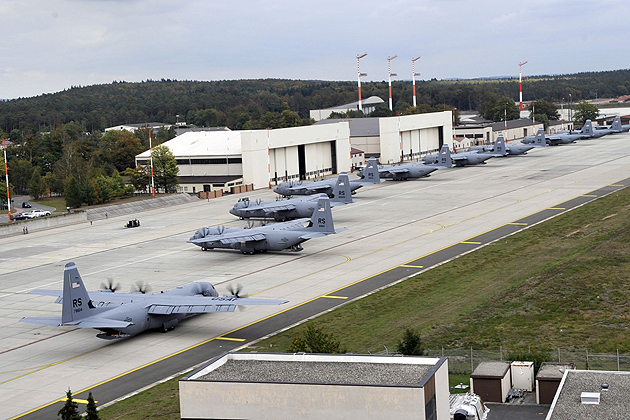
[[538, 140], [292, 208], [616, 127], [404, 171], [273, 237], [120, 315], [370, 176], [458, 159], [500, 148]]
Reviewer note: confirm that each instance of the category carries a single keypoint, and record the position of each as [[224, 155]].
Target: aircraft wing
[[312, 188], [53, 321], [312, 235], [272, 207], [46, 292], [91, 322], [100, 323], [460, 157], [230, 238], [204, 305], [395, 170]]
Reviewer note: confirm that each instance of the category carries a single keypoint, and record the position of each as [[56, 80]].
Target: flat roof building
[[316, 386], [267, 157], [592, 395]]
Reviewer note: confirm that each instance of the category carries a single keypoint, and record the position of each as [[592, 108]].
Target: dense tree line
[[242, 104], [59, 145]]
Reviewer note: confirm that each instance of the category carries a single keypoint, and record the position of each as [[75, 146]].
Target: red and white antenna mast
[[389, 78], [414, 74], [6, 175], [359, 57], [520, 82]]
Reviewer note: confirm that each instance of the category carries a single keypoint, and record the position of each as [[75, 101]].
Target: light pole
[[520, 82], [359, 57], [6, 176], [389, 78], [414, 74], [562, 113]]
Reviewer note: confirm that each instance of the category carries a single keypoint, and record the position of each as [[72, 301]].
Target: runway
[[397, 229]]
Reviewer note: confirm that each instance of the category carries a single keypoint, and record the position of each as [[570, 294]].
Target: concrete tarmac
[[393, 225]]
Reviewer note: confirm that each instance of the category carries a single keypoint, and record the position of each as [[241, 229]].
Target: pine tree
[[70, 410], [91, 413]]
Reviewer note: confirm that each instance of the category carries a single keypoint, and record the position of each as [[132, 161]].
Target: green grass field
[[563, 283]]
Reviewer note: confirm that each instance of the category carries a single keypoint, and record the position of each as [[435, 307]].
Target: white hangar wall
[[310, 151], [419, 134]]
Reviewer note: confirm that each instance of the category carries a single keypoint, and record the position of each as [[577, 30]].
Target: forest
[[58, 144]]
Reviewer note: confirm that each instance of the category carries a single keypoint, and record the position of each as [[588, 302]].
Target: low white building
[[210, 160], [316, 386]]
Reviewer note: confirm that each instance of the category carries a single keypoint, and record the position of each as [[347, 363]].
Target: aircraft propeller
[[220, 229], [236, 290], [141, 286], [110, 285]]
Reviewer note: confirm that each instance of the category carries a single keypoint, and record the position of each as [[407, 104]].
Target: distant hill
[[235, 102]]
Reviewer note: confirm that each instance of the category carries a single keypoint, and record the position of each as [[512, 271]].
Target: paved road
[[17, 207], [397, 229]]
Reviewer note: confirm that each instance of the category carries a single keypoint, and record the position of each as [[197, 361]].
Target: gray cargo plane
[[370, 176], [538, 140], [120, 315], [292, 208], [404, 171], [500, 148], [273, 237], [616, 126], [458, 159]]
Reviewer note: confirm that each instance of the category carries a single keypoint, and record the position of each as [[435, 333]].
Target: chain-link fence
[[464, 361]]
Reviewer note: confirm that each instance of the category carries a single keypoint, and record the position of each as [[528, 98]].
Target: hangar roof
[[203, 143], [359, 127]]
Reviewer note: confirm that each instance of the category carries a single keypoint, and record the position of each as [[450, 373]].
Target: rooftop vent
[[590, 397], [604, 386]]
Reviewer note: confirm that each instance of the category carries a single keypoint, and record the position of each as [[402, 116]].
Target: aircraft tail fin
[[444, 158], [76, 301], [499, 145], [321, 220], [341, 190], [588, 128], [540, 138], [370, 172], [616, 125]]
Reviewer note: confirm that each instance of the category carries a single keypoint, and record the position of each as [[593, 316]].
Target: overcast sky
[[51, 45]]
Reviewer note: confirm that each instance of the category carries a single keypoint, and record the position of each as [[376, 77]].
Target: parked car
[[26, 205], [40, 213], [19, 216]]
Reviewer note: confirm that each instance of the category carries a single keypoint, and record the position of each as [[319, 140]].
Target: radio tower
[[520, 82], [359, 57], [414, 74], [389, 78]]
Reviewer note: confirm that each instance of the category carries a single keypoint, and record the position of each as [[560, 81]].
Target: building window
[[183, 161], [235, 160], [185, 188], [218, 185]]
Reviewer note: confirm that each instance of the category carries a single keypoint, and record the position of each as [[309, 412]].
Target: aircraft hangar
[[221, 159]]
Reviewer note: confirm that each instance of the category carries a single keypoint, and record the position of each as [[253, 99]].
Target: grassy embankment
[[562, 283]]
